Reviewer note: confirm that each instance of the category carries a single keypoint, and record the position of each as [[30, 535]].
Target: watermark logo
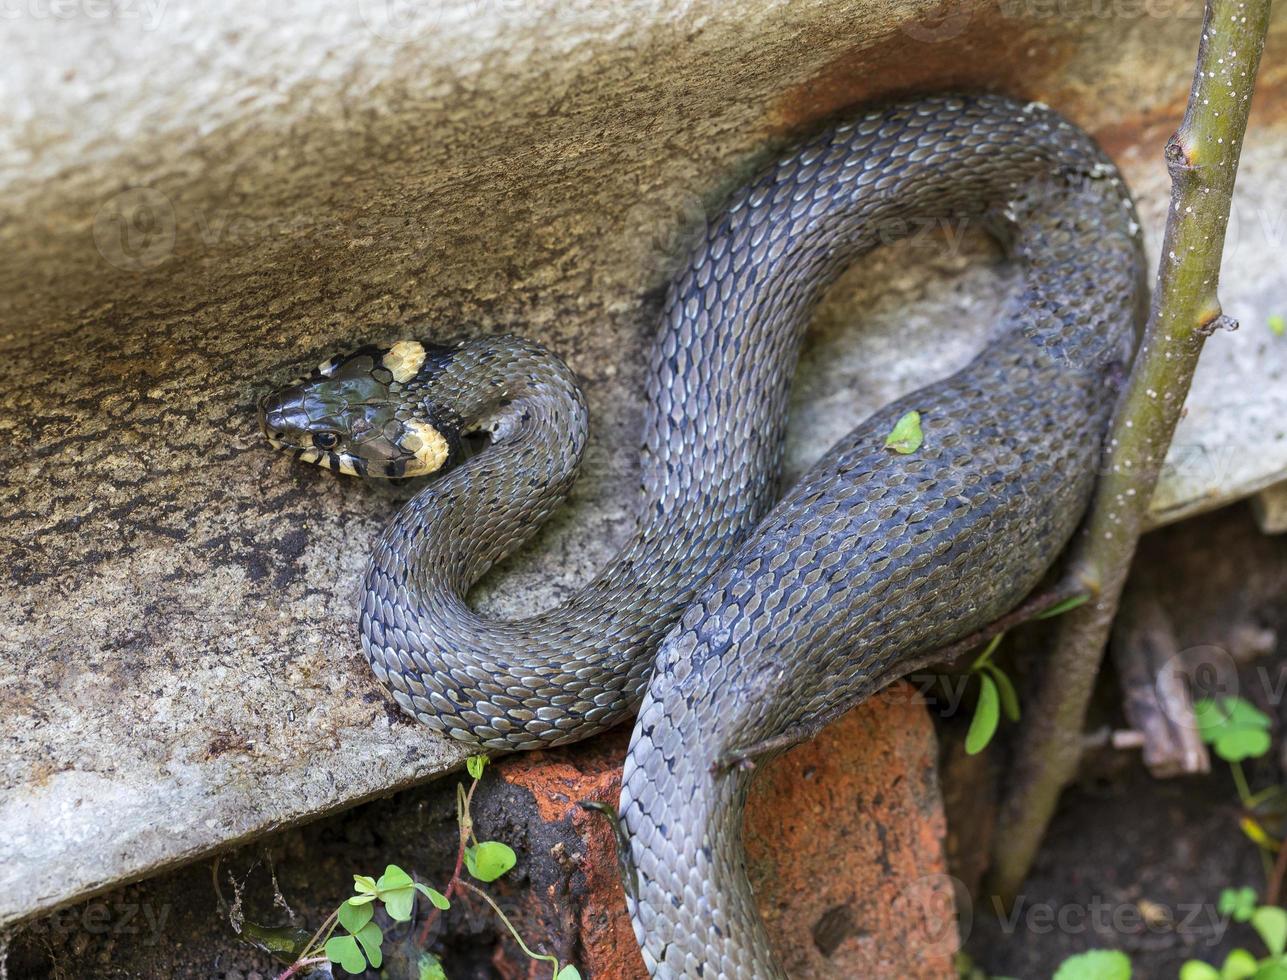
[[668, 233], [100, 918], [1207, 672], [400, 21], [1256, 228], [1196, 921], [948, 23], [136, 229], [147, 13], [938, 912]]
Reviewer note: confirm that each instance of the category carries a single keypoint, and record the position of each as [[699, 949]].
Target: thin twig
[[1275, 888], [465, 825], [1202, 158], [298, 965], [532, 954]]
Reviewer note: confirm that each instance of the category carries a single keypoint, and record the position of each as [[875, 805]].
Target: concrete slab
[[196, 200]]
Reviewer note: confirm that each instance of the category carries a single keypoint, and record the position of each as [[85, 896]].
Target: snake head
[[366, 413]]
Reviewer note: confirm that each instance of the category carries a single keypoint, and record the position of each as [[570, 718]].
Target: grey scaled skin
[[766, 624]]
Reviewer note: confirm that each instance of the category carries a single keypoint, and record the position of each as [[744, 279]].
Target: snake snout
[[272, 417]]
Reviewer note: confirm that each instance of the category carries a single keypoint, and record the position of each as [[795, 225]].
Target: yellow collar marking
[[428, 446], [404, 360]]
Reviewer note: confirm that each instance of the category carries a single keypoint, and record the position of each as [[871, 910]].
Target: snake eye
[[325, 440]]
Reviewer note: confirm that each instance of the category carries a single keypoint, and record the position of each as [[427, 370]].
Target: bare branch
[[1202, 158]]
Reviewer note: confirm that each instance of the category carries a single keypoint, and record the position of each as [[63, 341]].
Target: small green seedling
[[397, 891], [1270, 923], [996, 695], [351, 939], [1237, 730], [1237, 903]]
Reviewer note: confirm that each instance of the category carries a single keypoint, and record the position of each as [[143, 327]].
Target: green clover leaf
[[1098, 964], [366, 889], [362, 944], [1238, 965], [475, 765], [489, 860], [354, 916], [397, 892], [1235, 728], [439, 900], [344, 951], [1237, 903], [371, 937], [1270, 924]]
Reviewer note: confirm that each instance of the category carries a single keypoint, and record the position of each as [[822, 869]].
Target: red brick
[[844, 840]]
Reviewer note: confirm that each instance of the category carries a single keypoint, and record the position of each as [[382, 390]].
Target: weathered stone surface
[[198, 199], [844, 841]]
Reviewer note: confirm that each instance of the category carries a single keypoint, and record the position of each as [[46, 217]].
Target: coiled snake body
[[761, 621]]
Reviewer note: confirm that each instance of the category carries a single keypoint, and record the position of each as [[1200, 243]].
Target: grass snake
[[760, 618]]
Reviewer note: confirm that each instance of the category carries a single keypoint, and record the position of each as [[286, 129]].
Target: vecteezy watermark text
[[118, 918], [1101, 917], [147, 13]]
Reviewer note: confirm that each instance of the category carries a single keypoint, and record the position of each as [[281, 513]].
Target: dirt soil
[[1134, 863]]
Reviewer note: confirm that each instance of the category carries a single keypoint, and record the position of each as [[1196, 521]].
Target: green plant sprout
[[351, 939], [1237, 730], [1096, 964], [1270, 923], [1238, 904], [996, 695]]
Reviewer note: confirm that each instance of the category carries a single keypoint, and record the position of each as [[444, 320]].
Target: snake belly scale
[[760, 618]]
